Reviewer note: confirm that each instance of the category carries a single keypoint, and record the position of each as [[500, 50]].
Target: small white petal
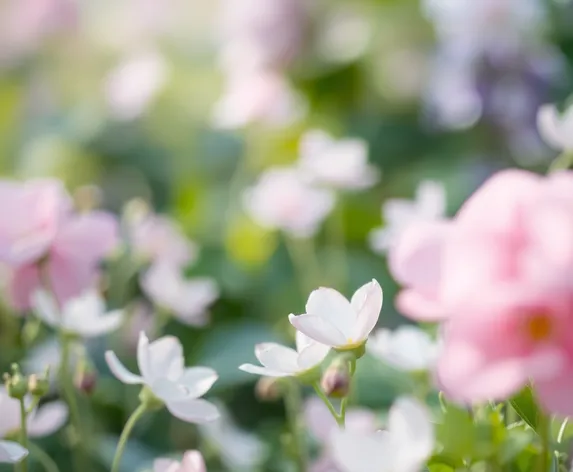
[[143, 358], [47, 419], [167, 390], [164, 360], [98, 326], [312, 355], [317, 328], [198, 380], [359, 452], [46, 308], [11, 452], [193, 410], [367, 301], [277, 357], [333, 307], [550, 126], [259, 370], [120, 371]]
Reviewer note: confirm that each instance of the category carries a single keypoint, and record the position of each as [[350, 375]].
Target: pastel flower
[[161, 365], [332, 320], [281, 361], [321, 425], [187, 299], [11, 452], [403, 447], [341, 164], [237, 449], [192, 462], [398, 214], [157, 238], [43, 421], [84, 316], [556, 128], [282, 200], [407, 348]]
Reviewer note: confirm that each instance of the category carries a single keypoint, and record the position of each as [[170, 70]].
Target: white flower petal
[[11, 452], [120, 371], [47, 419], [167, 390], [550, 126], [259, 370], [198, 380], [193, 410], [312, 355], [165, 465], [333, 307], [358, 452], [143, 358], [164, 360], [277, 357], [91, 328], [317, 328], [46, 308], [367, 301], [302, 341]]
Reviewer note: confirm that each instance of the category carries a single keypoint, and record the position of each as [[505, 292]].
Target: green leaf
[[526, 407], [516, 441], [456, 433]]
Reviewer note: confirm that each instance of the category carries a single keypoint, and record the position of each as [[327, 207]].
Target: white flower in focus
[[162, 369], [333, 320], [341, 164], [257, 96], [238, 449], [187, 299], [43, 421], [134, 83], [192, 462], [398, 214], [403, 447], [84, 316], [281, 200], [407, 348], [158, 238], [555, 128], [282, 361]]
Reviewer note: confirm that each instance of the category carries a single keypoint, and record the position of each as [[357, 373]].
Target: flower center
[[539, 327]]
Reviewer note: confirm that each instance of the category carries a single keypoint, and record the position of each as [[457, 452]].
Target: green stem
[[562, 430], [562, 162], [43, 458], [544, 432], [329, 405], [23, 433], [292, 404], [133, 419]]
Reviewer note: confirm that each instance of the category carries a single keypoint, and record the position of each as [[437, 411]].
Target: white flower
[[407, 348], [281, 361], [84, 316], [398, 214], [162, 370], [192, 462], [158, 238], [404, 447], [43, 421], [187, 299], [555, 128], [332, 320], [238, 449], [11, 452], [281, 200], [341, 164], [47, 354]]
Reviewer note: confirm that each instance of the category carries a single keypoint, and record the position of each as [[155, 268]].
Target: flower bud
[[336, 379], [268, 389], [38, 386], [16, 384], [86, 381]]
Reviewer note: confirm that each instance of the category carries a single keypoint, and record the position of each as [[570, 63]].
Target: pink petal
[[24, 281], [555, 395], [414, 305], [193, 462], [69, 278]]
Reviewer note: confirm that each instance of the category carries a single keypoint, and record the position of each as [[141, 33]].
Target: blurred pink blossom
[[192, 462], [46, 243], [282, 200]]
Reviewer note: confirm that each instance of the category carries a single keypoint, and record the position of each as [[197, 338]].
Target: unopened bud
[[16, 384], [86, 381], [38, 386], [335, 381], [268, 389]]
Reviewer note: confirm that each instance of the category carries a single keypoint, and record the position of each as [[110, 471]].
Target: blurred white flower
[[257, 96], [238, 449], [141, 318], [404, 447], [43, 421], [162, 369], [282, 200], [332, 320], [407, 348], [187, 299], [398, 214], [341, 164], [321, 424], [84, 316], [192, 462], [158, 238], [46, 355], [11, 452], [555, 128], [134, 83], [282, 361]]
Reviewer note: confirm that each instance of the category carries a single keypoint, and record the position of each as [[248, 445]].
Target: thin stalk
[[23, 434], [562, 162], [544, 432], [127, 429], [329, 405], [292, 404], [43, 458]]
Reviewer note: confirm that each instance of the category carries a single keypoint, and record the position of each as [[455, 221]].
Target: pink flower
[[192, 462], [38, 227]]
